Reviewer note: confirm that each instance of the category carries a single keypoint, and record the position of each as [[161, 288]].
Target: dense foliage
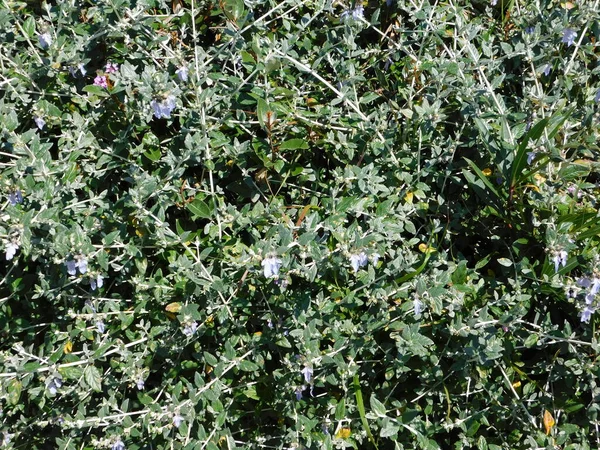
[[299, 224]]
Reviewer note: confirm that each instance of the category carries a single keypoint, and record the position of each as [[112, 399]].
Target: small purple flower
[[375, 257], [597, 97], [100, 80], [547, 69], [586, 314], [78, 263], [45, 40], [11, 250], [15, 197], [54, 385], [111, 67], [595, 286], [182, 73], [80, 68], [358, 260], [530, 157], [140, 384], [357, 14], [560, 258], [97, 282], [298, 392], [177, 419], [418, 306], [39, 122], [190, 329], [100, 327], [530, 30], [271, 266], [6, 438], [493, 2], [118, 445], [307, 372], [162, 109], [589, 298], [569, 36]]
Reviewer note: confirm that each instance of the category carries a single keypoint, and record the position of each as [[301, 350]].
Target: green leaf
[[521, 157], [293, 144], [29, 27], [483, 178], [531, 340], [505, 262], [248, 366], [377, 407], [574, 171], [93, 378], [262, 110], [199, 209], [14, 391], [110, 237]]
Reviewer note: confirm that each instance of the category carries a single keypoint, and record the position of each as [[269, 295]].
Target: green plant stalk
[[361, 410]]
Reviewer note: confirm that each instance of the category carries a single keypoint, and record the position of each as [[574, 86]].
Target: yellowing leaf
[[567, 5], [424, 248], [343, 433], [548, 421], [408, 198], [174, 307], [487, 172], [68, 348], [539, 178]]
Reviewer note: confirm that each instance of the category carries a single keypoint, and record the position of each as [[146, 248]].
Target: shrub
[[299, 225]]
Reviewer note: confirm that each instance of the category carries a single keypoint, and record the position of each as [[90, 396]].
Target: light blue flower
[[6, 438], [560, 258], [308, 373], [182, 73], [54, 385], [358, 260], [162, 109], [271, 266], [40, 123], [375, 257], [78, 263], [547, 69], [569, 36], [11, 250], [493, 2], [417, 306], [100, 327], [140, 384], [190, 328], [597, 97], [118, 445], [15, 197], [45, 40], [177, 419], [530, 157], [97, 282], [586, 314], [356, 14], [298, 392]]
